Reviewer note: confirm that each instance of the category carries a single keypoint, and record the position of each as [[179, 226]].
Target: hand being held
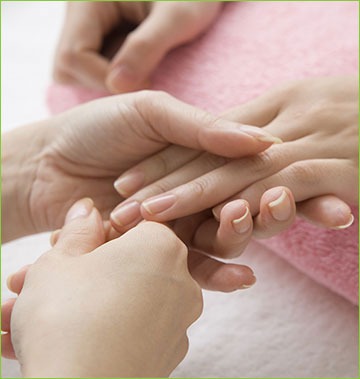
[[318, 121], [120, 309], [148, 30]]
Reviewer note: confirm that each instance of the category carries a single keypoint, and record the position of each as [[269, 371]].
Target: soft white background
[[285, 326]]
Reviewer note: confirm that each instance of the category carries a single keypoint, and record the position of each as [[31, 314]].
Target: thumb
[[168, 25], [83, 230]]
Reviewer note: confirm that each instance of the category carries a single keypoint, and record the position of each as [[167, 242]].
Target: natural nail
[[126, 214], [249, 283], [54, 236], [280, 208], [242, 224], [351, 220], [80, 209], [129, 183], [260, 134], [9, 280], [159, 204], [216, 213]]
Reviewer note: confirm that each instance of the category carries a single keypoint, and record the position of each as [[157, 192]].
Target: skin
[[144, 32], [81, 152], [317, 120], [134, 312]]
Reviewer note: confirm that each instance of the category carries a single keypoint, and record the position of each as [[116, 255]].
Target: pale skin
[[317, 163], [115, 46], [80, 153], [129, 320]]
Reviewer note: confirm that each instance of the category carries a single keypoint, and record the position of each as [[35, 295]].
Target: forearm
[[21, 153]]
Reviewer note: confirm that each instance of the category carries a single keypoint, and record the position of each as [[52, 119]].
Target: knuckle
[[161, 186], [302, 172], [199, 301], [200, 186], [169, 245], [148, 100], [196, 299], [211, 160], [64, 61], [161, 163], [261, 162], [140, 41], [184, 348], [323, 110], [66, 58]]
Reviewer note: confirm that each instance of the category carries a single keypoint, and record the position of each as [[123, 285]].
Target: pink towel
[[252, 47]]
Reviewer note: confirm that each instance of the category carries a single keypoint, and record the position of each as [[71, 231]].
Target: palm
[[84, 159]]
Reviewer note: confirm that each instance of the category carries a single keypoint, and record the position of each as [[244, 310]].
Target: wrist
[[21, 153]]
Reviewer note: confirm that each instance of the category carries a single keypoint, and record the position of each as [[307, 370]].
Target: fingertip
[[80, 209], [128, 183], [54, 237], [346, 224], [125, 216], [280, 207], [83, 230], [277, 212], [7, 350], [121, 79], [16, 280], [235, 229], [6, 310], [327, 211]]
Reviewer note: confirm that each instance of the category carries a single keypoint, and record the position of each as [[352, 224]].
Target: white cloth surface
[[285, 326]]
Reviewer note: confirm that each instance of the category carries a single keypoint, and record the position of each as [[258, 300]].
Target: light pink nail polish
[[126, 214], [159, 203], [130, 183]]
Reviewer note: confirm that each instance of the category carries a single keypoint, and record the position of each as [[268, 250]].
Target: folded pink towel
[[252, 47]]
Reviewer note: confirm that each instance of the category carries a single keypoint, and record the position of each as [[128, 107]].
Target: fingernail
[[121, 76], [129, 183], [159, 204], [126, 214], [260, 134], [54, 236], [249, 284], [351, 220], [242, 224], [280, 208], [9, 280], [216, 213], [80, 209]]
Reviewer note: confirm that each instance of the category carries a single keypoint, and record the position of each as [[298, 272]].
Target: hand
[[115, 310], [81, 152], [83, 54], [317, 119]]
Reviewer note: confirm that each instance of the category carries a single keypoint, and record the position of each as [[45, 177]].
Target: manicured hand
[[316, 119]]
